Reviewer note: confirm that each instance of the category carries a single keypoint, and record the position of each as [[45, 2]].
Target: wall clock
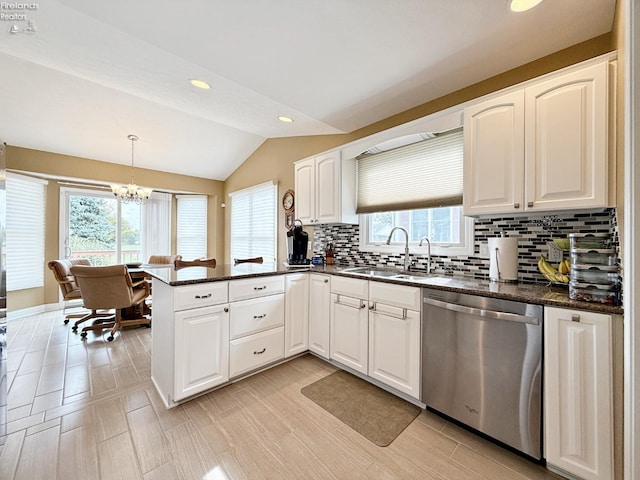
[[288, 200]]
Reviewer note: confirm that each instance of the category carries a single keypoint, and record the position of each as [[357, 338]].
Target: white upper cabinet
[[494, 155], [541, 148], [325, 190], [566, 128]]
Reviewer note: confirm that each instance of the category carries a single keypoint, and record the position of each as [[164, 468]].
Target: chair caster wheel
[[83, 335], [110, 338], [66, 321], [74, 329], [148, 325]]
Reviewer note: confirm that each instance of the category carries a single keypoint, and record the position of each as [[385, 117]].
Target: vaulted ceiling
[[95, 71]]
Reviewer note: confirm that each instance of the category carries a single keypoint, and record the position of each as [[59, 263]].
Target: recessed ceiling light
[[199, 83], [284, 119], [522, 5]]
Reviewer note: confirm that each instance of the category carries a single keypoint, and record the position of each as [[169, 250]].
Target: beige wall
[[274, 159], [48, 164]]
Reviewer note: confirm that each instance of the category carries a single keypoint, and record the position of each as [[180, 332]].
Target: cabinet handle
[[256, 352], [516, 205], [575, 317], [260, 288], [529, 204], [226, 309], [202, 297], [363, 305], [260, 316], [326, 280]]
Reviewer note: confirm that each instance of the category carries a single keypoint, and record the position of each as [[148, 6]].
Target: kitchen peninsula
[[214, 325]]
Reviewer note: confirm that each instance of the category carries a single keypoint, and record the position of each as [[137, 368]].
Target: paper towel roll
[[503, 259]]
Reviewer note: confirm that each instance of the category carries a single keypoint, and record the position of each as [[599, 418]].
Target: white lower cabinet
[[394, 348], [349, 332], [578, 391], [319, 313], [296, 318], [202, 350], [394, 337], [256, 323], [190, 339], [253, 351]]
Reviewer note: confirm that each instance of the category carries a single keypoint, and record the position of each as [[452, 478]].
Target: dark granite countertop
[[191, 275], [538, 294]]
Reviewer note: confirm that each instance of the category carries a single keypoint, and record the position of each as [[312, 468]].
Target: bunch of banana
[[551, 273], [564, 267]]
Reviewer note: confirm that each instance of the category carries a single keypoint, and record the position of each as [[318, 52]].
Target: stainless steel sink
[[391, 274], [370, 272]]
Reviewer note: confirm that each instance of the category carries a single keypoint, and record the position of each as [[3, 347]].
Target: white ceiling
[[96, 71]]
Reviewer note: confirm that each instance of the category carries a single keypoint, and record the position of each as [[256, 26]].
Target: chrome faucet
[[428, 252], [407, 260]]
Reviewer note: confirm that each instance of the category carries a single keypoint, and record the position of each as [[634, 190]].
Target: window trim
[[467, 247]]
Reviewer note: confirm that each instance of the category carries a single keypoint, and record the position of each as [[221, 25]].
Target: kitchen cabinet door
[[305, 190], [566, 129], [578, 393], [296, 321], [348, 340], [494, 155], [394, 348], [319, 313], [201, 350], [328, 188]]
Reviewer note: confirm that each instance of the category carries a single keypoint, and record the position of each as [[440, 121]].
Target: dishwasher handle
[[481, 312]]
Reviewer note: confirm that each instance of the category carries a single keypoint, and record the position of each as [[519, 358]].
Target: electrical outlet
[[484, 250], [554, 254]]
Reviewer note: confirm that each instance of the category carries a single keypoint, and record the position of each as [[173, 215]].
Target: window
[[25, 232], [254, 222], [191, 230], [449, 232], [96, 226], [422, 179], [155, 235]]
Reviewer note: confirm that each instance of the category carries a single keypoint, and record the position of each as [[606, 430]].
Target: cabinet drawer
[[395, 295], [249, 353], [257, 314], [255, 287], [352, 287], [199, 295]]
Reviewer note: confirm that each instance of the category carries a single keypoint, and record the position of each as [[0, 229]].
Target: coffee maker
[[297, 242]]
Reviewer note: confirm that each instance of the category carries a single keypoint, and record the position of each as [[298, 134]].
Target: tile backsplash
[[534, 232]]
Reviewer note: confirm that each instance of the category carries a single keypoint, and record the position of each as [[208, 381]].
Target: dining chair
[[68, 287], [111, 287], [237, 261], [163, 259], [198, 262]]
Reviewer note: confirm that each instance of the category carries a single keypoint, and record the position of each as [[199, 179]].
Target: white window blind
[[191, 228], [25, 232], [156, 226], [254, 222], [421, 175]]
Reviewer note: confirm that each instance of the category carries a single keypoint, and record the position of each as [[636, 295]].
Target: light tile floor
[[88, 410]]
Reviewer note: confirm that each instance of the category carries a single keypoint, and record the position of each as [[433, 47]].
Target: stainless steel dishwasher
[[482, 365]]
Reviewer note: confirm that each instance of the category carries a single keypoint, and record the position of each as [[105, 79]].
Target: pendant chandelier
[[131, 193]]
